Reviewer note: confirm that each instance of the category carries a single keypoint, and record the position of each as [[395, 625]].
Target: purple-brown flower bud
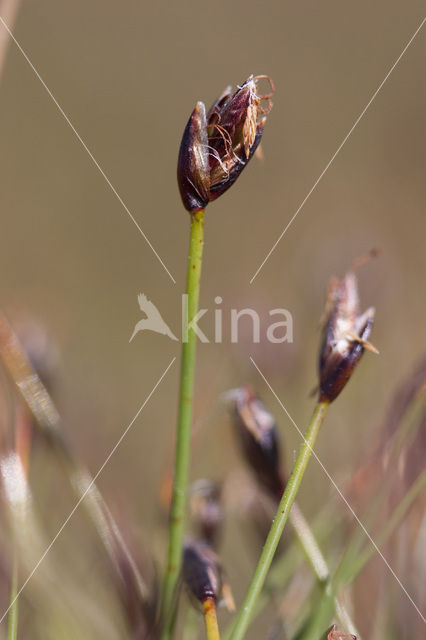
[[204, 576], [346, 334], [334, 633], [201, 571], [216, 147], [257, 434]]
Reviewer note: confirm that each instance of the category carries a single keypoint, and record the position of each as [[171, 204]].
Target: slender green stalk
[[308, 543], [288, 497], [318, 563], [12, 626], [285, 566], [183, 440], [344, 576]]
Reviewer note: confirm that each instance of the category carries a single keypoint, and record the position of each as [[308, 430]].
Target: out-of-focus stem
[[183, 439], [308, 543], [341, 576], [318, 563], [410, 422], [8, 12], [47, 418], [283, 512], [210, 618], [353, 561], [399, 512], [12, 625]]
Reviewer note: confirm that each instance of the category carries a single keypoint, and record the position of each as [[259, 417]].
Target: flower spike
[[216, 147], [257, 434], [346, 334]]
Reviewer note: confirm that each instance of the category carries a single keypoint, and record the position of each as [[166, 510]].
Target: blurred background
[[72, 261]]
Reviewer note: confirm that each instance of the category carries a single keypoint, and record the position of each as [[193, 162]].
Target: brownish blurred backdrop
[[127, 75]]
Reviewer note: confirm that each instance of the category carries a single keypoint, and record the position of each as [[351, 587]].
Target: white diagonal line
[[339, 148], [341, 495], [86, 148], [101, 468]]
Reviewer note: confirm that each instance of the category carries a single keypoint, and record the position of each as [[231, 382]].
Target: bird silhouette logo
[[153, 320]]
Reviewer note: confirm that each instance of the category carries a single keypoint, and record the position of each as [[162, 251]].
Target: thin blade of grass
[[346, 575], [47, 418], [12, 625]]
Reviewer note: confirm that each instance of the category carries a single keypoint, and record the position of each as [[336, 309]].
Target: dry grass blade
[[47, 418]]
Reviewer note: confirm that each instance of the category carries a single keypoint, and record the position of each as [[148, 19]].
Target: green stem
[[395, 519], [288, 497], [285, 566], [12, 627], [308, 543], [342, 577], [409, 425], [318, 563], [183, 441]]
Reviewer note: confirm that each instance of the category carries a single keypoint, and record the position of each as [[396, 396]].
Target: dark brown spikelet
[[256, 431], [334, 633], [346, 334], [216, 147], [201, 571]]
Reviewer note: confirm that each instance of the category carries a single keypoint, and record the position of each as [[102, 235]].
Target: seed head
[[257, 434], [345, 338], [217, 146], [201, 571]]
